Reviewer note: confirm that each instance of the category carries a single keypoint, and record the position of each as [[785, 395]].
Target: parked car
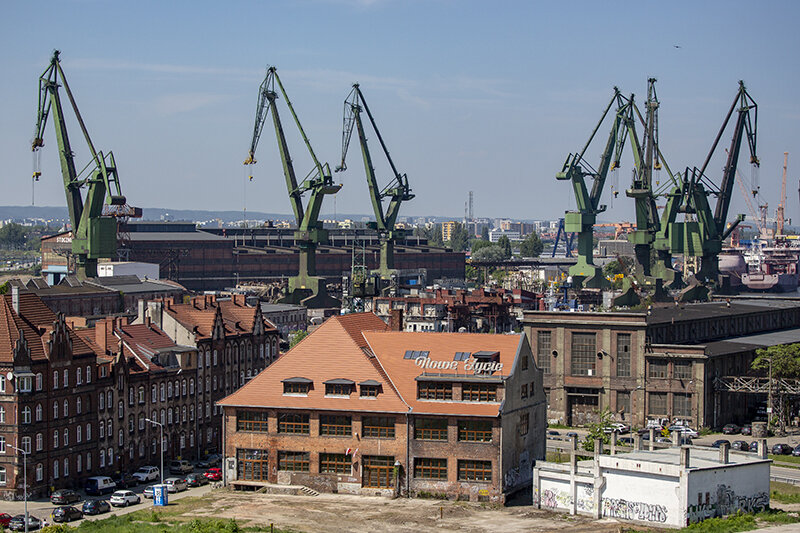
[[796, 451], [147, 473], [719, 442], [215, 459], [213, 474], [96, 507], [18, 523], [66, 513], [754, 446], [5, 518], [617, 427], [64, 496], [99, 485], [572, 434], [782, 449], [625, 441], [747, 429], [180, 467], [740, 445], [196, 480], [686, 431], [124, 480], [550, 433], [176, 484], [730, 429], [148, 492], [124, 498]]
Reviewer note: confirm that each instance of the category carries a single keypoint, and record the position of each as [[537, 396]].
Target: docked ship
[[771, 268]]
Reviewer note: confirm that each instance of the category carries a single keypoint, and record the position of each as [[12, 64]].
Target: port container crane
[[306, 288], [397, 190], [94, 229]]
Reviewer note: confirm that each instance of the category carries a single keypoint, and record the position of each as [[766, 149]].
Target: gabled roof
[[334, 351], [390, 347], [200, 313]]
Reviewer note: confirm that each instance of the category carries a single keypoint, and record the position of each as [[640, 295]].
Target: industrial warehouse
[[360, 408]]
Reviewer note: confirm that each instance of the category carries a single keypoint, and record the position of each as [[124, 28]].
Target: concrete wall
[[642, 497], [723, 491]]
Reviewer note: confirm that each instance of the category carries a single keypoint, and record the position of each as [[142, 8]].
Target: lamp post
[[161, 445], [25, 477]]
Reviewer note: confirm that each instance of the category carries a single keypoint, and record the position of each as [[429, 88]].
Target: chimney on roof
[[15, 298], [154, 312], [101, 328], [147, 321], [396, 320], [724, 453], [239, 299], [684, 456]]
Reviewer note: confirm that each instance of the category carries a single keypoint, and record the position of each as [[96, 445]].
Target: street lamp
[[25, 477], [160, 425]]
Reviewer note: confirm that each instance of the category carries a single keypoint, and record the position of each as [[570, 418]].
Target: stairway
[[309, 492]]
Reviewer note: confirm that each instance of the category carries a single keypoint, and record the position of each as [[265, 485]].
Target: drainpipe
[[408, 455]]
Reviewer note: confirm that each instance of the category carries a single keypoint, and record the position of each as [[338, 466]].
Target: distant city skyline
[[468, 95]]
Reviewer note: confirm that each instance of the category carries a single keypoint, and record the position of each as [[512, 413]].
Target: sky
[[469, 95]]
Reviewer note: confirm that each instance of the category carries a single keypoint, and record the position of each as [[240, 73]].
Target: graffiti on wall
[[553, 499], [627, 510], [727, 502]]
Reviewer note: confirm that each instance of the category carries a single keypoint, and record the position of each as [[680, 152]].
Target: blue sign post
[[160, 495]]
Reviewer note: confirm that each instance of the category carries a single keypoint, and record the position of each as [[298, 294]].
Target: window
[[369, 391], [248, 420], [469, 470], [78, 405], [66, 437], [183, 414], [658, 403], [252, 465], [102, 401], [79, 433], [26, 444], [130, 395], [335, 425], [378, 471], [110, 457], [191, 387], [66, 408], [120, 409], [3, 382], [215, 358], [479, 392], [682, 369], [26, 415], [584, 354], [102, 429], [214, 383], [88, 380], [183, 388], [543, 353], [78, 377], [109, 399], [657, 368], [88, 437], [623, 402], [55, 438], [169, 416], [66, 467], [2, 444], [523, 423], [39, 382], [66, 384], [523, 392], [102, 459], [55, 409], [338, 389], [623, 355], [141, 422], [293, 423], [131, 424], [163, 392], [153, 393], [191, 413], [79, 463], [378, 427], [88, 461], [430, 429], [39, 472], [208, 410], [295, 388], [427, 468], [682, 405], [39, 442], [335, 463], [169, 390], [432, 390], [55, 379], [163, 416], [293, 461], [475, 430], [39, 412], [24, 384], [55, 468], [524, 362]]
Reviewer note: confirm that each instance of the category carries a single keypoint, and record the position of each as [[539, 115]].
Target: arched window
[[66, 467], [241, 378], [55, 409], [66, 385], [261, 351], [153, 393], [141, 448], [120, 409], [78, 404], [88, 437], [101, 400], [88, 461], [55, 469], [169, 416], [39, 412], [26, 444], [102, 459], [26, 415], [88, 380], [66, 437], [163, 416], [79, 433], [130, 395], [191, 439], [141, 394], [79, 461], [141, 422], [183, 414], [131, 423], [153, 447], [109, 399], [208, 410], [191, 413], [208, 384], [169, 390], [66, 408], [214, 383], [191, 386], [39, 381], [130, 452], [55, 381], [55, 438], [78, 379], [215, 358], [183, 387], [39, 472], [110, 457], [120, 438], [39, 442], [163, 392], [183, 441], [102, 429], [153, 415], [208, 359], [109, 428]]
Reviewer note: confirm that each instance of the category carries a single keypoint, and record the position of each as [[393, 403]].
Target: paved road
[[787, 475], [42, 508]]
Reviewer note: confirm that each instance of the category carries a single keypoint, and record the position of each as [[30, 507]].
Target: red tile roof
[[200, 313]]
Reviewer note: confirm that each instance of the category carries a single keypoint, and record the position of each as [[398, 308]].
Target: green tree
[[785, 360], [459, 238], [473, 274], [485, 233], [505, 244], [604, 419], [622, 265], [532, 246], [477, 244], [296, 336], [12, 236], [489, 253]]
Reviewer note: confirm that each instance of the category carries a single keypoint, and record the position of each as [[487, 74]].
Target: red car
[[5, 518], [213, 474]]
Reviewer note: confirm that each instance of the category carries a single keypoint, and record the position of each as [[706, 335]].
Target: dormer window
[[297, 385], [369, 388], [339, 387]]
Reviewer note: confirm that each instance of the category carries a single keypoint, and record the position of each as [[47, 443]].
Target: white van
[[99, 485]]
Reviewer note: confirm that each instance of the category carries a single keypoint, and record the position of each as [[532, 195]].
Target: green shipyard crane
[[306, 288], [703, 237], [94, 231], [576, 169], [397, 190]]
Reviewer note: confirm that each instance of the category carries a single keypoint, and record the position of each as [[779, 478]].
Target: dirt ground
[[344, 513]]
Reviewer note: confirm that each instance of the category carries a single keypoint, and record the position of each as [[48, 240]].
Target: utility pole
[[769, 394]]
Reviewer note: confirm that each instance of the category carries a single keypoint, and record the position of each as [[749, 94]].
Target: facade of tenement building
[[358, 408], [662, 363]]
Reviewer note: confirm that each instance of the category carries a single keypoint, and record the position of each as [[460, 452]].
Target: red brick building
[[358, 408]]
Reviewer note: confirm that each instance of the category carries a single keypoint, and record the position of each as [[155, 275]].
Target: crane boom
[[94, 233], [306, 288]]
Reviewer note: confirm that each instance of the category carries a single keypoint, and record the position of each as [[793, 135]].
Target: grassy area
[[785, 459], [784, 492], [730, 524]]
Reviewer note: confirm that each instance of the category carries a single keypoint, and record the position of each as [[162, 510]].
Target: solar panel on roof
[[461, 356], [415, 354]]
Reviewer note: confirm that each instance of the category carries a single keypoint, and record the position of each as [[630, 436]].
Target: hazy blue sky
[[469, 95]]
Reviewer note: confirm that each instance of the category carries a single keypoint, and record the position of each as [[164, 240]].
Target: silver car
[[123, 498], [176, 484]]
